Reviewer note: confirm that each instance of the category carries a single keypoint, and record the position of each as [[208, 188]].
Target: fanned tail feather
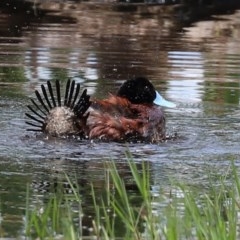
[[46, 96], [66, 93], [58, 93], [51, 93], [47, 99], [76, 95], [83, 104]]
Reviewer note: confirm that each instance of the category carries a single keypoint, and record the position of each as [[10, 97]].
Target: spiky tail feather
[[44, 102]]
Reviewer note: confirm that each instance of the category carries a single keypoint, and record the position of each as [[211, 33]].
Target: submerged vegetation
[[179, 214]]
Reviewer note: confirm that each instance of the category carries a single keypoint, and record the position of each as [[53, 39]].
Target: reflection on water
[[196, 66]]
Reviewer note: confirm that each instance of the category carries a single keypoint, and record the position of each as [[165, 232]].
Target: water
[[195, 66]]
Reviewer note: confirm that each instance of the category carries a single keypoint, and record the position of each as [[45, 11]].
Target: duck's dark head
[[141, 91]]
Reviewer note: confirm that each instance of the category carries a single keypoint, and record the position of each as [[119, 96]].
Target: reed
[[194, 215]]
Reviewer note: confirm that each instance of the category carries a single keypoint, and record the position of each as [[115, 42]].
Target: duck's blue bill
[[159, 100]]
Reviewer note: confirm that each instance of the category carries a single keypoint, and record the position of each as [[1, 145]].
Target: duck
[[132, 114]]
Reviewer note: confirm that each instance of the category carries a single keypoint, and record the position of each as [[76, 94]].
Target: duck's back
[[117, 119]]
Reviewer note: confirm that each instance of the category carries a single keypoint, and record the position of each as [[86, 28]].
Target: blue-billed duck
[[132, 114]]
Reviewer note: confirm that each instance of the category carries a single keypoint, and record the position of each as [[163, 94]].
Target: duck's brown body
[[117, 118]]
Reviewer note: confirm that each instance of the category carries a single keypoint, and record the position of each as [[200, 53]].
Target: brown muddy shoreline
[[181, 11]]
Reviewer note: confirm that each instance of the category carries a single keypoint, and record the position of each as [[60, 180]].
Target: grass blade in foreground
[[194, 215]]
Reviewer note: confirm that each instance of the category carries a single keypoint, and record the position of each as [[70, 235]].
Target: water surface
[[195, 66]]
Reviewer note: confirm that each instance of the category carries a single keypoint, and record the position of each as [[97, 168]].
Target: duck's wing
[[144, 124], [115, 106], [108, 127]]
